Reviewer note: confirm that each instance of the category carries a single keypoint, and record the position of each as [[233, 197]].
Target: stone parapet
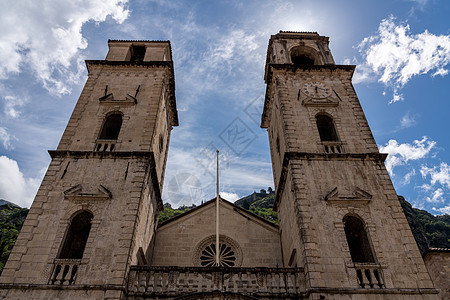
[[172, 282]]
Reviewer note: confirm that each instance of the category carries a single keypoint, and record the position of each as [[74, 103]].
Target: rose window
[[227, 257], [230, 253]]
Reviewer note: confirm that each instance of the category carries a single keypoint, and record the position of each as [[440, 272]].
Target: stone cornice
[[103, 287], [139, 41], [383, 291], [100, 154]]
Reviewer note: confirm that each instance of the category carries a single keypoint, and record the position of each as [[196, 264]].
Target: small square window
[[137, 53]]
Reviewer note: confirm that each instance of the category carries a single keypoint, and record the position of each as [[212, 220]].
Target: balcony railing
[[105, 145], [332, 147], [64, 271], [370, 276], [176, 281]]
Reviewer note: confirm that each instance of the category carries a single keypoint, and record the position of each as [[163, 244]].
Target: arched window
[[302, 60], [327, 132], [358, 241], [302, 56], [76, 236], [111, 127]]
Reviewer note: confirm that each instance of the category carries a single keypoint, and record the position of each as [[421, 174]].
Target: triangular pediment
[[348, 195], [110, 99], [209, 208], [131, 98], [77, 193]]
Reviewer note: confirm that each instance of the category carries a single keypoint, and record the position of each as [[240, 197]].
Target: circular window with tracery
[[230, 254]]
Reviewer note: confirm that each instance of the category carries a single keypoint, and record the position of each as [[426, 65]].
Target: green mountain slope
[[11, 221], [429, 231]]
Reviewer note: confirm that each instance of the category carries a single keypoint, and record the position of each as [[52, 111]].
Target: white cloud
[[436, 196], [439, 174], [408, 176], [47, 37], [438, 186], [444, 210], [232, 53], [191, 177], [407, 121], [396, 97], [5, 138], [363, 73], [396, 55], [14, 187], [229, 196], [399, 154], [12, 105]]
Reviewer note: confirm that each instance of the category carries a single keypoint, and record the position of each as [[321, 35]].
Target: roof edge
[[237, 207], [435, 250], [138, 41]]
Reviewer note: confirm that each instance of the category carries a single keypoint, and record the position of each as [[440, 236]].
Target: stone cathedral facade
[[92, 230]]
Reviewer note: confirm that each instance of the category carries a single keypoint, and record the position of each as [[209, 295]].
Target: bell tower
[[96, 210], [340, 218]]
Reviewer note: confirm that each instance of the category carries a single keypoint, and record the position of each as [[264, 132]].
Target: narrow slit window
[[111, 127], [76, 236], [326, 128], [358, 240]]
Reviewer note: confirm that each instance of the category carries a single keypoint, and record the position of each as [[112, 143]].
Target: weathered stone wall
[[176, 241], [316, 188], [120, 186], [438, 265], [107, 250]]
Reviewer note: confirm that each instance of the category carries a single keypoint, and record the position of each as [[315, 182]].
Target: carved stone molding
[[338, 195], [76, 193]]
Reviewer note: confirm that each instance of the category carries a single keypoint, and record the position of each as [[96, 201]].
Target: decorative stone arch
[[230, 252], [378, 267], [326, 126], [369, 226], [76, 235], [111, 126], [330, 112], [105, 113], [304, 55], [358, 239], [73, 208]]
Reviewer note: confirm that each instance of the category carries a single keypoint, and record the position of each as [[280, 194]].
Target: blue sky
[[402, 49]]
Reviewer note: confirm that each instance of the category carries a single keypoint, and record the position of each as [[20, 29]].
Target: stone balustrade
[[332, 147], [163, 282], [105, 145], [369, 275], [64, 271]]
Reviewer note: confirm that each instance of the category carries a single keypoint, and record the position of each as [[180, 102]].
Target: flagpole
[[217, 215]]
